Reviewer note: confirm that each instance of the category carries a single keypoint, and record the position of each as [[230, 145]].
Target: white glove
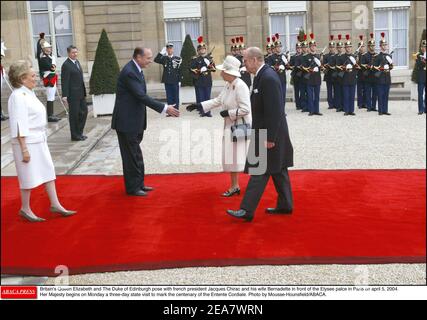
[[317, 61], [315, 69], [349, 66], [281, 67], [163, 52], [386, 67], [203, 69], [243, 69], [424, 55], [179, 83], [389, 59], [207, 61], [353, 61], [284, 59]]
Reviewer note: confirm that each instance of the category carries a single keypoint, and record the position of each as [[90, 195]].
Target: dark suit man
[[267, 114], [130, 119], [74, 94]]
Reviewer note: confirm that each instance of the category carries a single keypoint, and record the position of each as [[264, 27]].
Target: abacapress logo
[[18, 292]]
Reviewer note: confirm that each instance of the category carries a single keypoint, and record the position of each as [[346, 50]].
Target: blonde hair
[[17, 71]]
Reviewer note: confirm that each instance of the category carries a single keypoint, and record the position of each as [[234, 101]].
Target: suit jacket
[[267, 106], [171, 68], [130, 112], [72, 83]]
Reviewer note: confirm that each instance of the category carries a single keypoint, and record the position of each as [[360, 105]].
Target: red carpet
[[356, 216]]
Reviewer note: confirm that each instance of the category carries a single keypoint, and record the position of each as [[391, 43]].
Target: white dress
[[27, 116], [235, 98]]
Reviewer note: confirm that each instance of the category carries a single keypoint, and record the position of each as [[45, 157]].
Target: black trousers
[[77, 116], [132, 159], [256, 187]]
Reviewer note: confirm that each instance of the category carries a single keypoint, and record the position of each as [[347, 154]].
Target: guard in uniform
[[340, 71], [279, 62], [420, 74], [244, 75], [296, 73], [366, 61], [268, 48], [311, 67], [328, 71], [47, 64], [350, 79], [172, 74], [201, 68], [303, 83], [361, 81], [383, 64]]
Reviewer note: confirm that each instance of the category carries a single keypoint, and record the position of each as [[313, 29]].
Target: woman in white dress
[[235, 103], [27, 117]]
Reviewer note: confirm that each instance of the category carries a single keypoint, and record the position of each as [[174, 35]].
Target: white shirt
[[140, 70], [27, 116]]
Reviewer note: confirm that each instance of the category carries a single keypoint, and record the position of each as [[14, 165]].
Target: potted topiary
[[187, 53], [103, 79]]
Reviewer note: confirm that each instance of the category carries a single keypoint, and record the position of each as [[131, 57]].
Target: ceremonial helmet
[[304, 43], [44, 44], [371, 42], [201, 43], [423, 43], [312, 41], [339, 43], [331, 41], [361, 42], [269, 44], [277, 42], [242, 43], [299, 42], [233, 45], [348, 41], [383, 40]]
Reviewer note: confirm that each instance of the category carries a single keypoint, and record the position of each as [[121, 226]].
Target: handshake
[[198, 106]]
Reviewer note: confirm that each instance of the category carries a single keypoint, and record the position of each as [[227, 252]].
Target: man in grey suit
[[267, 115]]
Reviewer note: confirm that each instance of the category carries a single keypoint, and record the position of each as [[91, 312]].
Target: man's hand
[[269, 145], [193, 106], [172, 111], [65, 100]]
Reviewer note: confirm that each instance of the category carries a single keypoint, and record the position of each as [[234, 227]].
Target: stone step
[[66, 154]]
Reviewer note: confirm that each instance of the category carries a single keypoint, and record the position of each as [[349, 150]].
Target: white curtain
[[296, 22], [38, 5], [174, 35], [192, 27], [62, 42], [396, 36], [278, 25]]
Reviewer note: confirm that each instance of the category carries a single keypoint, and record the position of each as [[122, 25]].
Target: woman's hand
[[25, 156], [193, 106]]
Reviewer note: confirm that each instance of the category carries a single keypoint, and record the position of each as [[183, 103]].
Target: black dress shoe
[[420, 113], [78, 139], [139, 193], [241, 214], [278, 211], [352, 114], [318, 114], [331, 107], [147, 188], [4, 118], [346, 113], [387, 113], [311, 114], [84, 137], [53, 119], [231, 193]]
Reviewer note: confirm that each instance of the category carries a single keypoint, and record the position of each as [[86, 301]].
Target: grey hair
[[255, 52]]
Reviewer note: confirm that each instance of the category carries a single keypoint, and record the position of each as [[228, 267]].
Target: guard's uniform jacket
[[350, 75], [171, 68], [202, 78], [244, 75], [313, 78], [47, 70]]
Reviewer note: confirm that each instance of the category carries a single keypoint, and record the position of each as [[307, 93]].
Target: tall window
[[176, 30], [54, 19], [287, 25], [394, 23]]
